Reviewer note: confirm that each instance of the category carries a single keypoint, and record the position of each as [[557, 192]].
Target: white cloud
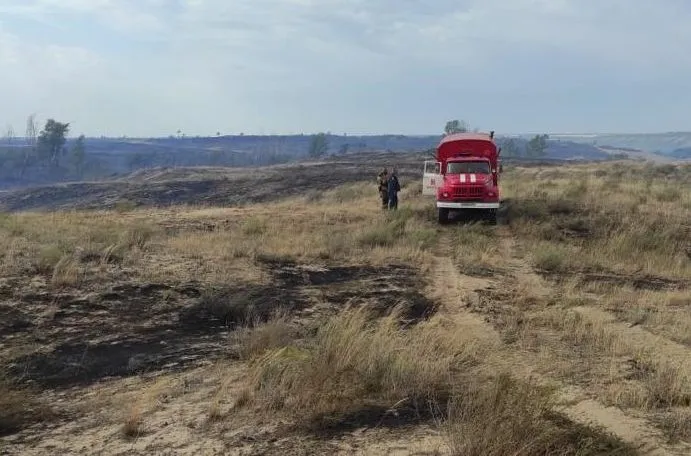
[[127, 16], [332, 64]]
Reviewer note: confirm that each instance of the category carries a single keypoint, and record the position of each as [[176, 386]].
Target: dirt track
[[464, 296]]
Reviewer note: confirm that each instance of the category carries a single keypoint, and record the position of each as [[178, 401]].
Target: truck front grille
[[468, 192]]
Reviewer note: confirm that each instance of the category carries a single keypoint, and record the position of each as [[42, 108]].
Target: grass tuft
[[20, 407], [504, 416], [355, 362], [254, 341]]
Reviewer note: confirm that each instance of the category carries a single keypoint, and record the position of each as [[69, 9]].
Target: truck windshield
[[467, 168]]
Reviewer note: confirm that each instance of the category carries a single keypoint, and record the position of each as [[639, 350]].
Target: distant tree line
[[319, 146], [45, 154], [534, 148], [41, 152]]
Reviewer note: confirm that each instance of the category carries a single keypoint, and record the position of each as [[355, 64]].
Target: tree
[[456, 126], [79, 156], [510, 148], [31, 130], [344, 149], [9, 135], [319, 145], [9, 159], [51, 141], [537, 147], [30, 136]]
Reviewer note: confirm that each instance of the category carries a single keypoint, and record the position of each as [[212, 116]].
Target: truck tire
[[443, 215], [492, 216]]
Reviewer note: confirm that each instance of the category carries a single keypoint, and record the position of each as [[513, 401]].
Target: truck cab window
[[467, 168]]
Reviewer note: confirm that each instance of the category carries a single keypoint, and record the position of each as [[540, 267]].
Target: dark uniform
[[393, 188]]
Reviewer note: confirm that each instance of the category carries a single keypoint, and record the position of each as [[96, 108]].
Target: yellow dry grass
[[355, 361], [566, 223], [605, 217]]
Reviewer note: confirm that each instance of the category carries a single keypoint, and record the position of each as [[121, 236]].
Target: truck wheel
[[492, 216], [443, 215]]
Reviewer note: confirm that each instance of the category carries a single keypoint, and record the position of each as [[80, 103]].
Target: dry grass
[[663, 312], [628, 224], [355, 362], [145, 401], [604, 218], [254, 341], [357, 365], [133, 423], [20, 407], [677, 425], [502, 416], [57, 244], [568, 222], [66, 272], [344, 225], [654, 382], [585, 332], [476, 250]]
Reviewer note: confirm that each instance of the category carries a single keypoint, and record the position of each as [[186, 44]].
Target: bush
[[550, 258]]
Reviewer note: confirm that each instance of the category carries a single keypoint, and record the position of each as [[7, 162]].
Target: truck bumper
[[468, 205]]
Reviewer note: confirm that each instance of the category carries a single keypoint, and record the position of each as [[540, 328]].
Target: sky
[[151, 67]]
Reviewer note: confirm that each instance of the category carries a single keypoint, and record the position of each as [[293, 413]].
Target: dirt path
[[582, 406], [452, 288], [638, 337]]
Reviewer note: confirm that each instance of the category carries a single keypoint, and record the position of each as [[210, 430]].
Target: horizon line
[[345, 135]]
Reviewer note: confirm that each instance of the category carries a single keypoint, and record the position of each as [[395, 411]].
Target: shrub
[[550, 258]]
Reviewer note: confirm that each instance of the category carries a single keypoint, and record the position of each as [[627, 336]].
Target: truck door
[[431, 178]]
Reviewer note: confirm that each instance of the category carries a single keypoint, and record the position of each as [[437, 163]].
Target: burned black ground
[[202, 186]]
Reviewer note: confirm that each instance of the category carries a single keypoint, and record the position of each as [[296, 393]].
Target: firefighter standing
[[393, 187], [382, 181]]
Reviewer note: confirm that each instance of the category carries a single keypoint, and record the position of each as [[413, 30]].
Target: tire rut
[[639, 337], [451, 287]]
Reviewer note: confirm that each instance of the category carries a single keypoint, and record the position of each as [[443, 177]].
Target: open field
[[208, 186], [318, 324]]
